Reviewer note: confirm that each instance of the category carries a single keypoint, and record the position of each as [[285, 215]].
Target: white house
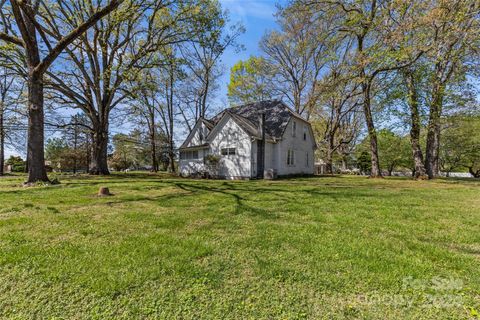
[[250, 141]]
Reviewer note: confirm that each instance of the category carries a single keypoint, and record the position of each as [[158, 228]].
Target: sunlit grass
[[163, 247]]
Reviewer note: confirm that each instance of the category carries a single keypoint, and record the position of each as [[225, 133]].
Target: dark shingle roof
[[250, 127], [277, 115]]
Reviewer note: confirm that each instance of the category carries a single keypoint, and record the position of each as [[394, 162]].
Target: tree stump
[[103, 192]]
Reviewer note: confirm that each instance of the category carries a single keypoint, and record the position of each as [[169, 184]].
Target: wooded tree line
[[150, 62], [354, 67]]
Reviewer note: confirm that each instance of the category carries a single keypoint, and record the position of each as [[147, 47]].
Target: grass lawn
[[163, 247]]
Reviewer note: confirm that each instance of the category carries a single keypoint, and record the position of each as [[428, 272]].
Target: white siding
[[253, 164], [230, 135], [192, 166], [299, 146], [189, 167], [270, 162], [195, 140]]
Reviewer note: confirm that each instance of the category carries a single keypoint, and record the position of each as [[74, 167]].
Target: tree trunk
[[475, 174], [329, 156], [2, 144], [433, 134], [35, 146], [419, 171], [344, 163], [171, 153], [75, 138], [88, 156], [154, 155], [372, 133], [171, 156], [390, 170], [203, 110], [328, 164], [99, 164], [154, 152], [153, 147]]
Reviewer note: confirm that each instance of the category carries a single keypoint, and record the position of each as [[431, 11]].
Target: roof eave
[[201, 146]]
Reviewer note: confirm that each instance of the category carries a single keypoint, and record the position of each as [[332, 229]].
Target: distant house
[[7, 168], [250, 141]]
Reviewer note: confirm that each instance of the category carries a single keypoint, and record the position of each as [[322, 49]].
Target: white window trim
[[188, 155], [292, 158], [229, 149]]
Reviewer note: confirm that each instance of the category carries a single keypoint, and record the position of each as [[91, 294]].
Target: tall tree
[[338, 107], [298, 55], [251, 80], [201, 57], [374, 26], [447, 33], [158, 96], [100, 65], [411, 82], [167, 110], [454, 26], [145, 108], [37, 27]]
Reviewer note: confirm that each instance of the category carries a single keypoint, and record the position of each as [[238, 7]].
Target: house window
[[290, 157], [294, 128], [200, 135], [305, 133], [306, 160], [189, 155], [229, 151]]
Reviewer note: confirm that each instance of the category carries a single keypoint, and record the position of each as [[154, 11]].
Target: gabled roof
[[201, 146], [252, 129], [277, 116], [207, 124], [246, 125]]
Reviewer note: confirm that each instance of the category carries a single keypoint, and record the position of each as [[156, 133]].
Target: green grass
[[162, 247]]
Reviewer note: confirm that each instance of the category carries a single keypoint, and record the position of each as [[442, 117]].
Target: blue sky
[[258, 17]]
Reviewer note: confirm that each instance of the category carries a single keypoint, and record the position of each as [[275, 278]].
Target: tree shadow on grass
[[290, 193], [193, 191], [460, 180], [240, 201], [113, 181], [264, 194]]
